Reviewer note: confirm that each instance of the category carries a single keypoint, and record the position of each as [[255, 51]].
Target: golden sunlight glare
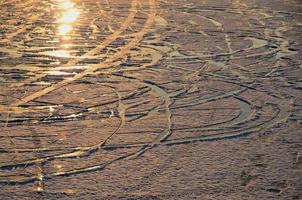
[[64, 29], [68, 16]]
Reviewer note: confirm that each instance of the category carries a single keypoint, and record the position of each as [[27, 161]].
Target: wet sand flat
[[151, 99]]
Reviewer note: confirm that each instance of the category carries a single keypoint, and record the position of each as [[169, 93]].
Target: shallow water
[[110, 99]]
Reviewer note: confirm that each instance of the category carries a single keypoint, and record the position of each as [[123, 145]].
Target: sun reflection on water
[[69, 15], [65, 24], [64, 29], [67, 4], [61, 54]]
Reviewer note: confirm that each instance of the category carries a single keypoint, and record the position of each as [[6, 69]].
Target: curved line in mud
[[93, 68], [284, 110], [24, 27], [106, 42], [79, 153], [245, 113], [283, 114]]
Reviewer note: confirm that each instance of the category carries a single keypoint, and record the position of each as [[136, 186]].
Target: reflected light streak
[[66, 46], [64, 29], [67, 4], [59, 53], [70, 16], [66, 20]]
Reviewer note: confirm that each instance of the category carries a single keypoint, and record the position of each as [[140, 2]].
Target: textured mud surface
[[150, 99]]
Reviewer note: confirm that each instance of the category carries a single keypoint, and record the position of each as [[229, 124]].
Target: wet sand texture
[[153, 99]]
